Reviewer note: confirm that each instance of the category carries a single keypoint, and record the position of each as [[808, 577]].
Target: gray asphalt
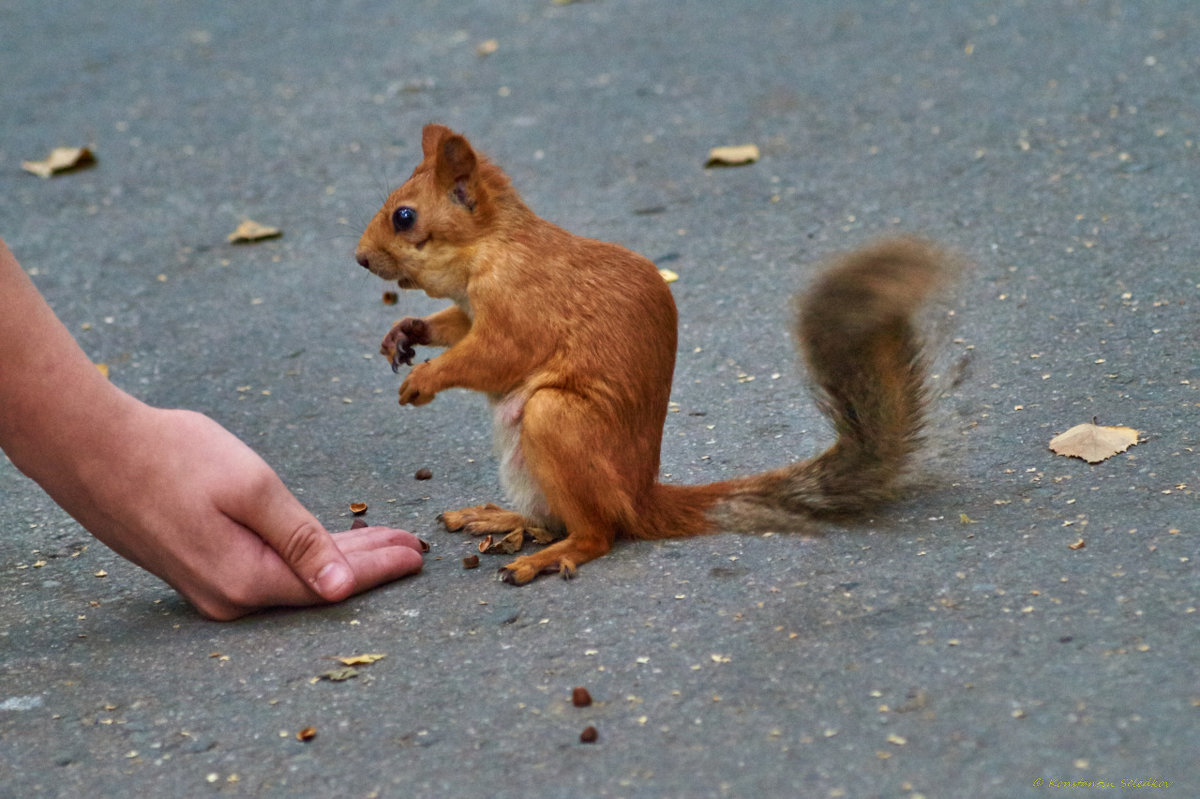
[[953, 645]]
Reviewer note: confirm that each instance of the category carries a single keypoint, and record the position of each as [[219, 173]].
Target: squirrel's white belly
[[519, 485]]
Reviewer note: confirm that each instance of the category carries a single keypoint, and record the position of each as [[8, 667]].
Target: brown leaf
[[509, 544], [60, 160], [249, 231], [540, 535], [1092, 442], [734, 155], [339, 675]]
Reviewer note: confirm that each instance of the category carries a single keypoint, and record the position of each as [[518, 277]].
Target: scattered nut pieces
[[487, 47], [60, 160], [423, 474], [471, 562], [358, 508], [668, 275], [391, 297], [589, 735], [580, 697], [249, 231], [306, 734], [1079, 544]]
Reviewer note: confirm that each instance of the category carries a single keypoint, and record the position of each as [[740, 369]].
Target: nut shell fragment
[[589, 735], [580, 697], [358, 508]]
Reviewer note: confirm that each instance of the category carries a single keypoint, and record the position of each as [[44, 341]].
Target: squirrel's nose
[[363, 260]]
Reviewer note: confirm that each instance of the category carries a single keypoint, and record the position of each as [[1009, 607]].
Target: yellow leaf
[[733, 155], [1092, 442], [249, 230], [61, 159], [359, 660]]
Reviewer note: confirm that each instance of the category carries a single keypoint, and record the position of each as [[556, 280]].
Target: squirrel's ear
[[455, 169], [431, 137]]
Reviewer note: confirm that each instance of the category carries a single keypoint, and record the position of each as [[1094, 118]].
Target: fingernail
[[332, 578], [424, 544]]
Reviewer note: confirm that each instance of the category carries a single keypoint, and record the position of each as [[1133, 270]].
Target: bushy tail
[[857, 334]]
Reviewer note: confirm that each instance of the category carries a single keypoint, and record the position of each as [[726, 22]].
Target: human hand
[[183, 498]]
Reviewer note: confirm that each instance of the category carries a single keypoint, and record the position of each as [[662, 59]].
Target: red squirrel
[[573, 340]]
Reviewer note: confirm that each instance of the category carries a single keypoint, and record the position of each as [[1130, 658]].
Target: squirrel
[[573, 341]]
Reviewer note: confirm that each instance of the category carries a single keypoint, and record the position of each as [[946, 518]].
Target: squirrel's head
[[424, 235]]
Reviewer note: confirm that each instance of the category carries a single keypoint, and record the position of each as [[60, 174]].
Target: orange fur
[[573, 340]]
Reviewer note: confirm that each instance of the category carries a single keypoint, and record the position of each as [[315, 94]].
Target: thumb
[[300, 540]]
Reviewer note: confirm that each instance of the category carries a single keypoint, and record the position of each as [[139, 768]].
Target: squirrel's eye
[[403, 218]]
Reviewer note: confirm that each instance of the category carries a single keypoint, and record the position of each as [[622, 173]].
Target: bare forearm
[[53, 400]]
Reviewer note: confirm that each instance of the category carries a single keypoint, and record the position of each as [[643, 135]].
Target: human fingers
[[275, 515], [361, 538]]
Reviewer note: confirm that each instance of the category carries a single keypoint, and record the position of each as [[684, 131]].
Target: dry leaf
[[1093, 442], [359, 660], [541, 535], [735, 155], [509, 544], [339, 675], [60, 160], [249, 231]]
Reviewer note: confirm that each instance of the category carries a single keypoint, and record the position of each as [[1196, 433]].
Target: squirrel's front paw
[[398, 344], [417, 388]]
